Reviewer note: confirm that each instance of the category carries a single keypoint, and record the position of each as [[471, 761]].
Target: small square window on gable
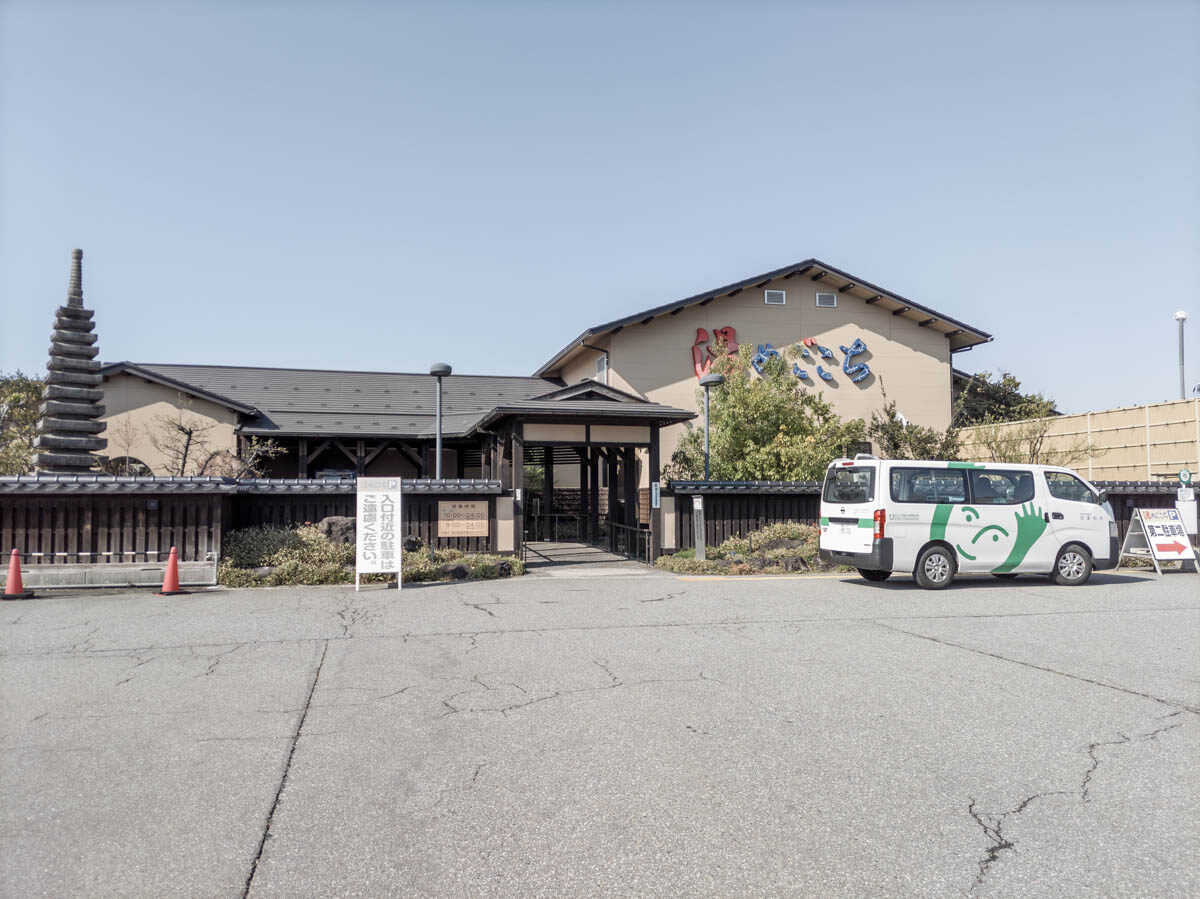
[[827, 300], [775, 297]]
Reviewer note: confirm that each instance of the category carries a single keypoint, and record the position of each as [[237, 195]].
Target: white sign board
[[698, 528], [378, 527], [655, 495], [1159, 534]]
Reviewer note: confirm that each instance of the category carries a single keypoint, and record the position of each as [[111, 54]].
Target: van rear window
[[929, 485], [850, 484]]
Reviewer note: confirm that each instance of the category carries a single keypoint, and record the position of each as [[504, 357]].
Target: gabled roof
[[317, 403], [130, 368], [582, 389], [961, 335]]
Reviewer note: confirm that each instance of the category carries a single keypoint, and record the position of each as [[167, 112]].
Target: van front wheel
[[1072, 567], [935, 568], [872, 574]]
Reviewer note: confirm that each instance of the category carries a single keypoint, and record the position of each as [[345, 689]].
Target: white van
[[937, 519]]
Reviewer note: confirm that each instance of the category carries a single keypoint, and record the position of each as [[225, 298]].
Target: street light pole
[[707, 382], [1181, 317], [439, 370]]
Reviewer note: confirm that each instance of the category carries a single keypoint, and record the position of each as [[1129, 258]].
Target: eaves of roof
[[131, 368], [788, 271], [93, 484]]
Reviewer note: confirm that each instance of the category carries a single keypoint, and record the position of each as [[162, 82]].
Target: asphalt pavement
[[591, 734]]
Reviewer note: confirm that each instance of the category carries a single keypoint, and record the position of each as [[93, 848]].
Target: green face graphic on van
[[1027, 522]]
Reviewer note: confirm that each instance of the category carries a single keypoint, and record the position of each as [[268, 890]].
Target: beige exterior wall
[[133, 407], [1134, 443], [655, 360]]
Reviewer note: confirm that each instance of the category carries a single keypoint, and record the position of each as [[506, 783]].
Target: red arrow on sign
[[1173, 547]]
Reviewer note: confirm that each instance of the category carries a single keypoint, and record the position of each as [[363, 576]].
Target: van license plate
[[846, 530]]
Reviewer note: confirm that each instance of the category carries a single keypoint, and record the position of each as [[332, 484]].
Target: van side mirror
[[1102, 497]]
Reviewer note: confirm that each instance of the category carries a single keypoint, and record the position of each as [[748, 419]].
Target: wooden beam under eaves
[[849, 287], [927, 322], [799, 271], [617, 330], [676, 311], [819, 275], [763, 283], [954, 333], [734, 293], [706, 302], [647, 319], [875, 299], [902, 310]]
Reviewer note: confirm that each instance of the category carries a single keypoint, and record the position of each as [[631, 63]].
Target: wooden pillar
[[629, 464], [584, 515], [360, 458], [613, 505], [428, 469], [547, 491], [593, 489], [518, 459], [655, 514], [302, 458], [460, 459]]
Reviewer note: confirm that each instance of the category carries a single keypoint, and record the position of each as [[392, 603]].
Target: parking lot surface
[[581, 735]]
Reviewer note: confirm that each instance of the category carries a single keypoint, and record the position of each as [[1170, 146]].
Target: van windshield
[[850, 484]]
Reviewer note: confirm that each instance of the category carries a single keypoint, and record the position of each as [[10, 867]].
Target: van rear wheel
[[935, 568], [1072, 567], [873, 574]]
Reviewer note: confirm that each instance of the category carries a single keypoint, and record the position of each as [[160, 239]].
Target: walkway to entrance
[[559, 559]]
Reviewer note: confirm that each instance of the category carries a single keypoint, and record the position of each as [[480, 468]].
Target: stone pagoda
[[68, 431]]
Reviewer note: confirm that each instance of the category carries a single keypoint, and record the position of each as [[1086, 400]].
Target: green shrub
[[253, 547], [774, 549], [305, 556]]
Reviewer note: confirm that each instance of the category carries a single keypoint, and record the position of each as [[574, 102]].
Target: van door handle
[[1057, 516]]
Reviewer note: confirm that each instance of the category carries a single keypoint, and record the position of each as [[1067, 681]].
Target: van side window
[[1001, 488], [850, 484], [1066, 486], [929, 485]]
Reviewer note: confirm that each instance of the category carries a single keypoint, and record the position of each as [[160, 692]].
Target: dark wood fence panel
[[735, 515], [420, 515], [259, 510], [420, 521], [105, 529]]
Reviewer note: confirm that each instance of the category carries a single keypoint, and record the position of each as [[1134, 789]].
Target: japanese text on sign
[[463, 518]]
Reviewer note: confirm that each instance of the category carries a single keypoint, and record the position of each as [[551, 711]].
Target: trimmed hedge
[[275, 557], [775, 549]]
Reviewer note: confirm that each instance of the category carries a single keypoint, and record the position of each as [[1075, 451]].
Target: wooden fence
[[48, 524], [733, 511], [737, 514], [103, 529]]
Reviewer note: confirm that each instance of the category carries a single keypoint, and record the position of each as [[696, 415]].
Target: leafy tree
[[20, 396], [766, 428], [985, 398], [896, 438]]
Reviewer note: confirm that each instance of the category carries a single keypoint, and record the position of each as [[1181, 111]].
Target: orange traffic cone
[[170, 585], [13, 588]]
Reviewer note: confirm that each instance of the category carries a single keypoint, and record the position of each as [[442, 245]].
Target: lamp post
[[439, 370], [1181, 317], [707, 382]]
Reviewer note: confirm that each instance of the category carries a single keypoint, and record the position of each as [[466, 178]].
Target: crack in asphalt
[[615, 683], [287, 767], [1094, 749], [1171, 703], [992, 825], [814, 619]]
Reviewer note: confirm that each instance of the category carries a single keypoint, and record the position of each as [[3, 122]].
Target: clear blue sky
[[382, 186]]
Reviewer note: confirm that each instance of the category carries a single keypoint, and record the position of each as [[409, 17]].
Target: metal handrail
[[627, 540]]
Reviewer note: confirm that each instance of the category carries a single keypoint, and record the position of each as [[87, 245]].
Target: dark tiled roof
[[311, 402], [961, 335], [801, 487], [109, 484]]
